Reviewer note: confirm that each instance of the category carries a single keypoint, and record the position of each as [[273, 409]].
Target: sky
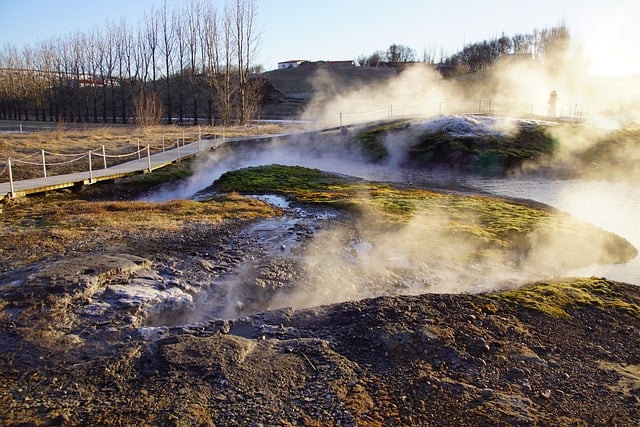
[[347, 29]]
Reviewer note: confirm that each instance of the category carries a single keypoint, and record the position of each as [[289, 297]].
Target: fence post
[[44, 165], [138, 148], [178, 144], [90, 169], [10, 179], [183, 137], [341, 119], [104, 157], [149, 157]]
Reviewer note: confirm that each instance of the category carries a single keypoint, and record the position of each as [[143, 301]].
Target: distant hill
[[299, 82], [290, 89]]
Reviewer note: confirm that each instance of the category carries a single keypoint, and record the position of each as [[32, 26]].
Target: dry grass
[[37, 227], [116, 139], [67, 212]]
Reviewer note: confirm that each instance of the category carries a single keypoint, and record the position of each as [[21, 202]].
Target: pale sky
[[346, 29]]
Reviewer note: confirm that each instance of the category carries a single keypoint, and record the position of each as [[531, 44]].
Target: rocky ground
[[106, 334]]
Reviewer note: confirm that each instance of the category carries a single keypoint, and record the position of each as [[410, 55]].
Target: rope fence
[[48, 160]]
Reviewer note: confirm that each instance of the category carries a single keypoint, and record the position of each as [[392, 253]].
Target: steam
[[424, 256], [358, 260], [513, 88]]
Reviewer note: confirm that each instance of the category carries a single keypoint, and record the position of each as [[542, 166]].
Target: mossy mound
[[370, 140], [497, 227], [560, 298], [479, 150]]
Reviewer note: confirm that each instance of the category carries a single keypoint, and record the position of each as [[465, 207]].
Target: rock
[[225, 328], [515, 373], [531, 359]]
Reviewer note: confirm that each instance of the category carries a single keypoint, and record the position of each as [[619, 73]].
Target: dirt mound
[[411, 360]]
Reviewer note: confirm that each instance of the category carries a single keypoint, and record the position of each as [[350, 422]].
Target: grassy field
[[25, 148]]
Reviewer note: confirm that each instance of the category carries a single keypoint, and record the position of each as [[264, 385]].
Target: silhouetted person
[[553, 100]]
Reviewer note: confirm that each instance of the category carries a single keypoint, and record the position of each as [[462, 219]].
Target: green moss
[[492, 220], [485, 154], [558, 298], [494, 225], [371, 140], [304, 184], [173, 172]]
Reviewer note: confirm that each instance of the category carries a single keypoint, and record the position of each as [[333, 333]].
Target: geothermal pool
[[612, 206]]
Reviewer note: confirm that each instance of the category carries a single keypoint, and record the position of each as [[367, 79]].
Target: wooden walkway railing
[[146, 162]]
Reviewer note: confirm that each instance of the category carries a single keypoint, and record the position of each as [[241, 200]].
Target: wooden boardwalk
[[144, 164]]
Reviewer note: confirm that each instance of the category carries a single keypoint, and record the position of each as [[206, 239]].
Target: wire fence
[[565, 112]]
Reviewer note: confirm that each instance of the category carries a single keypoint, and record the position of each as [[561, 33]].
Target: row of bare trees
[[540, 45], [183, 63], [395, 54]]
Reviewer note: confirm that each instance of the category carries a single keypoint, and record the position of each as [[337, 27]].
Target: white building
[[294, 63]]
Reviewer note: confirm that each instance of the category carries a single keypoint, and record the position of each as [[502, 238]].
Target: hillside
[[290, 89], [299, 82]]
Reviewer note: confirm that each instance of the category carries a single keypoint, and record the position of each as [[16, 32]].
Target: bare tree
[[372, 60], [209, 37], [64, 69], [397, 53], [110, 48], [10, 83], [167, 46], [106, 74], [43, 80], [81, 66], [94, 59], [147, 108], [217, 39], [194, 13], [151, 37], [244, 15], [179, 29], [29, 90]]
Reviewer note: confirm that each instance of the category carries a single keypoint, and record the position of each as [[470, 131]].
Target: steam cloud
[[353, 262], [513, 88]]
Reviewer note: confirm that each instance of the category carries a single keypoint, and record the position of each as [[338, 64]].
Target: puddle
[[273, 199]]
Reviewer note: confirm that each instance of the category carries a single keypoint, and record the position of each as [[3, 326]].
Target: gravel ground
[[100, 337]]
